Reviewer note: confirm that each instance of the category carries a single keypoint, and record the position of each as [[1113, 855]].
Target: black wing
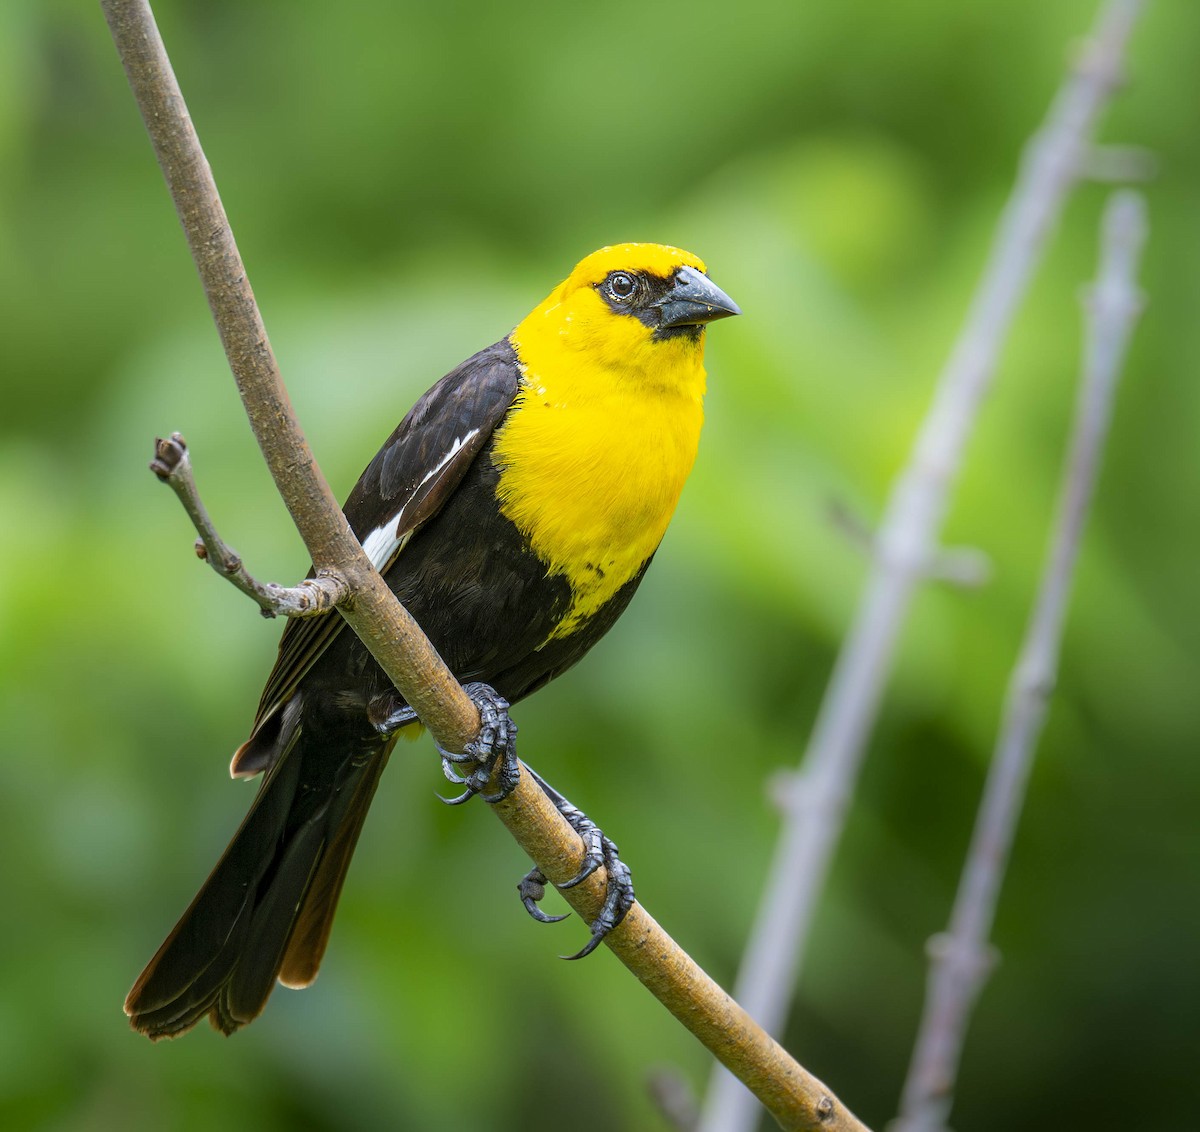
[[414, 473]]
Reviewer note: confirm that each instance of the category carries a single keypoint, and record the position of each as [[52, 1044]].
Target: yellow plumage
[[604, 431]]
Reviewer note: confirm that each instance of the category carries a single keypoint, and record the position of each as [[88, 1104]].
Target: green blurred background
[[406, 181]]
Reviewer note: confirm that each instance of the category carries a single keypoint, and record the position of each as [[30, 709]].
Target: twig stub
[[169, 453], [172, 464]]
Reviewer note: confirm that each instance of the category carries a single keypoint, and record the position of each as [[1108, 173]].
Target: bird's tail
[[266, 910]]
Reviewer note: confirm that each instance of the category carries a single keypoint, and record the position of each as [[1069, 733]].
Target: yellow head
[[632, 311]]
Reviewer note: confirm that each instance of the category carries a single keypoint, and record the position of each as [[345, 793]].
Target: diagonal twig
[[173, 465], [794, 1097], [906, 543], [960, 959], [442, 705]]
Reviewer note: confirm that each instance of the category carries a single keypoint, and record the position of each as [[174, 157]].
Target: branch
[[907, 540], [796, 1099], [964, 566], [373, 613], [1121, 164], [311, 597], [960, 960]]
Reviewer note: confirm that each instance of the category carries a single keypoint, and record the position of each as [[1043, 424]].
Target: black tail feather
[[223, 957], [314, 917]]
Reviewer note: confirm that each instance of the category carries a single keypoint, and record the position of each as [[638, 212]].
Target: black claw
[[477, 779], [465, 796], [618, 900], [495, 743], [388, 713], [587, 948], [532, 887], [599, 851], [510, 775]]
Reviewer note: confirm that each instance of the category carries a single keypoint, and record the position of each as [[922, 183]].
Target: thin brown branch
[[960, 959], [173, 465], [372, 611], [795, 1098], [906, 543]]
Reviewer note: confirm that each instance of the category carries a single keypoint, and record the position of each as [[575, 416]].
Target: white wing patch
[[385, 542], [382, 542]]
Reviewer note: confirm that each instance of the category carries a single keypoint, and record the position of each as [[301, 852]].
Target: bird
[[513, 511]]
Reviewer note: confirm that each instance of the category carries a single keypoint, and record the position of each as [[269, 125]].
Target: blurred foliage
[[406, 181]]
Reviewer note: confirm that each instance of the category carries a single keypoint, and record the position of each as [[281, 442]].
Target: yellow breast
[[595, 453]]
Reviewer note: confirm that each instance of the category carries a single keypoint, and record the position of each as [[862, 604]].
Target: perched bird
[[513, 511]]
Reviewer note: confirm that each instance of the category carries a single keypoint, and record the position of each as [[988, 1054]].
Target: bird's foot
[[495, 744], [600, 851], [388, 713]]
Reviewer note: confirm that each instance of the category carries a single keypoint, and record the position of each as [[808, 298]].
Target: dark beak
[[693, 300]]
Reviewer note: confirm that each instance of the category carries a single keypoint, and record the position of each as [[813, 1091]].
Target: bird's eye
[[622, 286]]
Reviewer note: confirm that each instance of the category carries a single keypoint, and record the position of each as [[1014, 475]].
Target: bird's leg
[[599, 850], [388, 713], [495, 743]]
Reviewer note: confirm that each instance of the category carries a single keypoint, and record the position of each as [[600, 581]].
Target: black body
[[485, 600]]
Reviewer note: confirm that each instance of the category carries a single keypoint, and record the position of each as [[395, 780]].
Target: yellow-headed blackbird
[[513, 512]]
